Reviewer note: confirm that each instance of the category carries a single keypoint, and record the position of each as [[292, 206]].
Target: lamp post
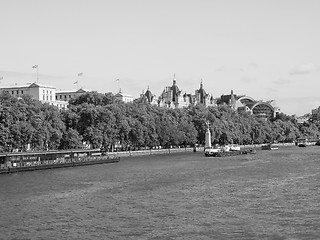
[[37, 67]]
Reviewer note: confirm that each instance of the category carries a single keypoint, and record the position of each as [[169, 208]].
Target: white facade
[[68, 95], [124, 97], [42, 93]]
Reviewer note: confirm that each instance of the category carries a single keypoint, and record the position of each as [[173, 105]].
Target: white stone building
[[42, 93]]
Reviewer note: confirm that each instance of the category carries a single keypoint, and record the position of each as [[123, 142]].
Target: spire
[[174, 79], [201, 85]]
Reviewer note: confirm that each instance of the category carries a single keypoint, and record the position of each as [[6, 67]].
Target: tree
[[71, 140]]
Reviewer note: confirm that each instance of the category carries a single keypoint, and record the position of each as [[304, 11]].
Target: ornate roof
[[149, 95]]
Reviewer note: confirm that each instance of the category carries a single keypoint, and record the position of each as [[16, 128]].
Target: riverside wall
[[154, 152], [182, 150]]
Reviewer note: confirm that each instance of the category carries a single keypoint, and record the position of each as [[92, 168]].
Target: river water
[[269, 195]]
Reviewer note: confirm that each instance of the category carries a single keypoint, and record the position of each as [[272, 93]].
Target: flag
[[76, 82], [35, 66], [80, 74]]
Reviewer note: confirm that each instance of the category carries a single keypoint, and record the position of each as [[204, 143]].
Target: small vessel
[[268, 147], [222, 151], [303, 142], [248, 151]]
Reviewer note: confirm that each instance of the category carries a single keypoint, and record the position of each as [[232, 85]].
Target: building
[[315, 114], [68, 95], [42, 93], [148, 97], [244, 103], [172, 97], [124, 97], [202, 97]]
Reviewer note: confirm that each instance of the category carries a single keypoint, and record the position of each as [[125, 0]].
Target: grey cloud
[[253, 65], [305, 69], [248, 79], [283, 81]]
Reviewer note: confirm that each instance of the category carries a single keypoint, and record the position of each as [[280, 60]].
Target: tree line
[[103, 122]]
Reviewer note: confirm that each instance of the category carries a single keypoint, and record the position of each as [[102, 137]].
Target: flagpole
[[37, 67], [77, 82], [117, 80]]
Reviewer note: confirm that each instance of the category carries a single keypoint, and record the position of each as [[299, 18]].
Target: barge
[[31, 161], [226, 152]]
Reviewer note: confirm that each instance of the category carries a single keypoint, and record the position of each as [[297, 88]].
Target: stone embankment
[[154, 152], [183, 150]]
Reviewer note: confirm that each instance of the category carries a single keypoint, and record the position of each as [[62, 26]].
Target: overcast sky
[[265, 49]]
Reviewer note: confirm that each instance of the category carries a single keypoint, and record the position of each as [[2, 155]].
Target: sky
[[265, 49]]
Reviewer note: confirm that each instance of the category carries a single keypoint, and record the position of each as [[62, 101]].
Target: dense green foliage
[[101, 121]]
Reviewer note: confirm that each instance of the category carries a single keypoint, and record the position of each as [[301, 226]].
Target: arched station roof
[[260, 108], [246, 100]]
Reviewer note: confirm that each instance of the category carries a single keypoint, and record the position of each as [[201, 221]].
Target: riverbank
[[189, 149], [155, 152]]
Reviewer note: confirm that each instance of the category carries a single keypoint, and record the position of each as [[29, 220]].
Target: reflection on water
[[269, 195]]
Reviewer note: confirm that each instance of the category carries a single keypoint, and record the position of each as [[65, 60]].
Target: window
[[50, 98], [43, 98], [60, 96], [12, 92], [21, 91], [17, 91]]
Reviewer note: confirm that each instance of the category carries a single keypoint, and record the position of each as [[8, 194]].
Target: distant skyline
[[265, 49]]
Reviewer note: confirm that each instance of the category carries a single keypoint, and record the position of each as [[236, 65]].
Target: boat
[[249, 151], [227, 150], [304, 142], [30, 161], [223, 151], [268, 147]]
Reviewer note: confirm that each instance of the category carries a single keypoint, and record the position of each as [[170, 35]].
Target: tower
[[208, 137]]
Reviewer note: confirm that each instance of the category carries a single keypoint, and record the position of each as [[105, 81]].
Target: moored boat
[[30, 161], [249, 151], [223, 151], [268, 147]]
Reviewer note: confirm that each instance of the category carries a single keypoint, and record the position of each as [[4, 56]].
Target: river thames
[[269, 195]]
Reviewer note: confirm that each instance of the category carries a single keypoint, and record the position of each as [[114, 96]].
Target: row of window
[[17, 91], [44, 98], [61, 96], [47, 92]]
